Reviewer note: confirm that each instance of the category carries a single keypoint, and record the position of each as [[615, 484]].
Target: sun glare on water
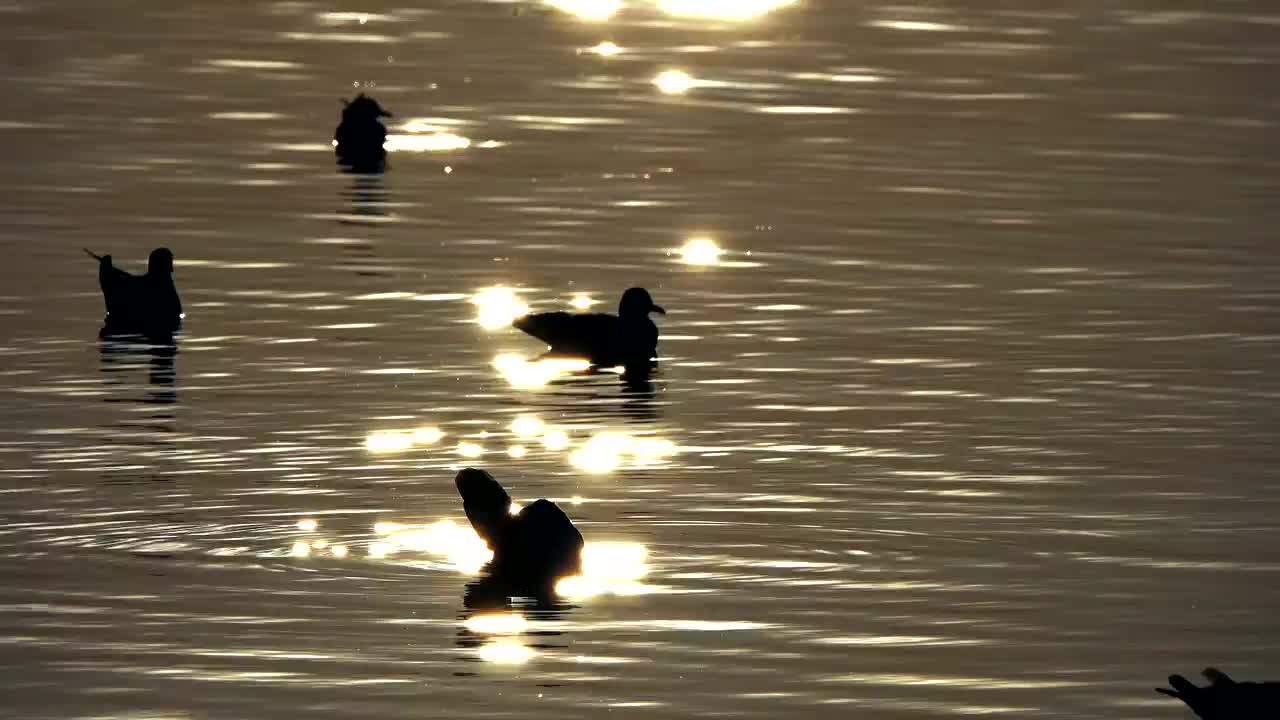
[[460, 546], [532, 374], [582, 301], [674, 82], [506, 651], [432, 142], [527, 427], [608, 568], [608, 451], [700, 251], [498, 307], [394, 441], [605, 49]]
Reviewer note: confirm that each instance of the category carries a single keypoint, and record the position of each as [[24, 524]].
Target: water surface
[[974, 411]]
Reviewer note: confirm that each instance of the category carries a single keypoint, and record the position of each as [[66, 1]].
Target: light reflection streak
[[608, 451], [847, 77], [608, 568], [528, 375], [984, 683], [370, 38], [496, 623], [605, 49], [918, 25], [241, 64], [385, 441], [337, 18], [427, 435], [506, 651], [394, 441], [590, 10], [722, 9], [527, 426], [555, 440], [730, 10], [457, 545], [434, 142]]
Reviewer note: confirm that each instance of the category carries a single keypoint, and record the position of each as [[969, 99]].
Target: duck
[[539, 544], [358, 141], [1224, 698], [629, 338], [146, 304]]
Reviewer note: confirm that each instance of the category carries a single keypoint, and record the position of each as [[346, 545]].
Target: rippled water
[[973, 413]]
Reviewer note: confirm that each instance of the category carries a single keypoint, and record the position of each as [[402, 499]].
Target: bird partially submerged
[[144, 304], [1226, 699], [537, 545], [360, 137], [629, 338]]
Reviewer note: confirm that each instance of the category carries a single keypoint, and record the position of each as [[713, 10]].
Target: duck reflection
[[499, 621], [365, 201], [496, 589], [639, 393], [367, 197], [631, 397], [122, 353]]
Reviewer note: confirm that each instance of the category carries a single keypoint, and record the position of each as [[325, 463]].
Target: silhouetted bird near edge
[[629, 338], [145, 304], [359, 138], [536, 546], [1226, 699]]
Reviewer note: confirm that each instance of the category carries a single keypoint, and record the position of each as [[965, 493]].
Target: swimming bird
[[629, 338], [147, 304], [359, 138], [1226, 699], [538, 544]]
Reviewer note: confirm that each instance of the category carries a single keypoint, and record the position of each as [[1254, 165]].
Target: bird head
[[363, 108], [637, 303], [160, 262]]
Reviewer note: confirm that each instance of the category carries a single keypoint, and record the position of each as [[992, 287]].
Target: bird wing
[[583, 335], [486, 503], [543, 540], [120, 289]]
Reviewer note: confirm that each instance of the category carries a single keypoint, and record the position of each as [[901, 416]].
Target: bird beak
[[385, 113], [657, 309]]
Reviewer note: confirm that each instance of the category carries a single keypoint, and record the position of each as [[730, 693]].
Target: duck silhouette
[[537, 545], [1226, 699], [143, 304], [629, 338], [359, 138]]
